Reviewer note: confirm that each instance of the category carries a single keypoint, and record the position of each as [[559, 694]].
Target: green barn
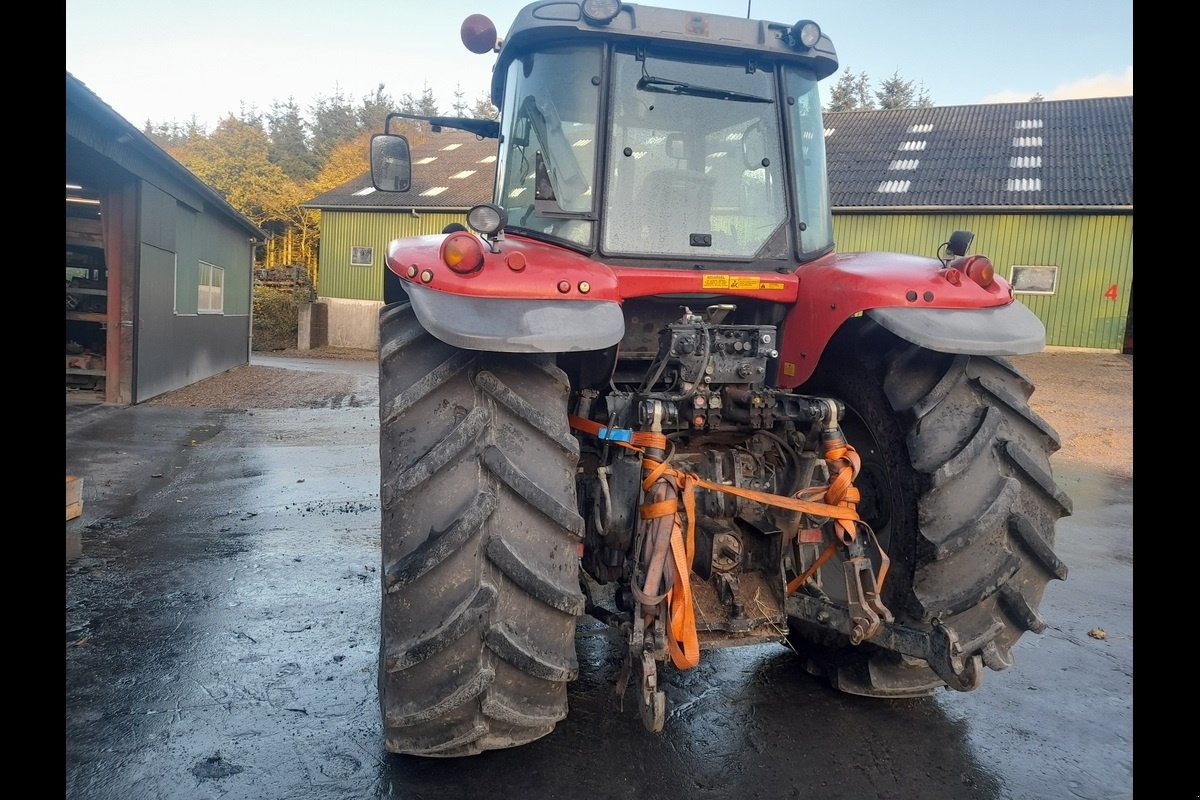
[[1046, 187]]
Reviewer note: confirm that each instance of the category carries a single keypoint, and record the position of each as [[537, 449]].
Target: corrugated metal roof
[[452, 170], [1049, 153]]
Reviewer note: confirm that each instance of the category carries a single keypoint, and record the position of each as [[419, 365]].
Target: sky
[[173, 61]]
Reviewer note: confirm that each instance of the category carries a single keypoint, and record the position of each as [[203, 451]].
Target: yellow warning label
[[736, 282], [789, 368]]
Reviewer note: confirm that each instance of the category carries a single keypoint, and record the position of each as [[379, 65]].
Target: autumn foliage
[[266, 165]]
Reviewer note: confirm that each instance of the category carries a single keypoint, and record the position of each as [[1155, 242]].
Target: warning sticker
[[739, 282]]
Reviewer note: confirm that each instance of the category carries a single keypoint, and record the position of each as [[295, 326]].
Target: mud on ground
[[1086, 396]]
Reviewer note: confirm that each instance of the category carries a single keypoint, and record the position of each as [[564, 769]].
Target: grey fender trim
[[1010, 330], [506, 325]]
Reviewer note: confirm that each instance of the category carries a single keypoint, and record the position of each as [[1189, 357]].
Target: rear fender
[[911, 297], [525, 298]]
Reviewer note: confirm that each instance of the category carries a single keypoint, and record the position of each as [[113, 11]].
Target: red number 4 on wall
[[1111, 294]]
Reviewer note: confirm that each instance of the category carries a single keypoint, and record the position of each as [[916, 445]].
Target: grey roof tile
[[1073, 153]]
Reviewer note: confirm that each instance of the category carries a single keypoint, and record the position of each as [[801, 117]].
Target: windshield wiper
[[648, 83]]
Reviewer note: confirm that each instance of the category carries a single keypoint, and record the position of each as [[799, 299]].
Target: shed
[[158, 266]]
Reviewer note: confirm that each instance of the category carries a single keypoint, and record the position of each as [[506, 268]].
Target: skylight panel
[[894, 187], [1023, 185]]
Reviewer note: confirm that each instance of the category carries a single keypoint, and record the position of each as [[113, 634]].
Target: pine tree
[[334, 120], [850, 93], [459, 108], [483, 108], [289, 141], [895, 92], [374, 110]]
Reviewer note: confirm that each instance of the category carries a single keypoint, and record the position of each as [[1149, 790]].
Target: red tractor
[[647, 388]]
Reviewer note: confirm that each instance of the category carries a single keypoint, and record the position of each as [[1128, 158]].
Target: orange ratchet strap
[[841, 498]]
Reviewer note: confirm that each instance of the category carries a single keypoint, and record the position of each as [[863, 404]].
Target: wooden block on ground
[[74, 497]]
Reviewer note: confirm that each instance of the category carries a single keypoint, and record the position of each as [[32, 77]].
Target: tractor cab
[[637, 134]]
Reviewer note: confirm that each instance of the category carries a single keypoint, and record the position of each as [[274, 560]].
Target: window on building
[[1035, 280], [362, 256], [210, 298]]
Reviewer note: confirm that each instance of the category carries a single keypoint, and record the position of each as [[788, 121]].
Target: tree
[[334, 120], [459, 108], [895, 92], [427, 105], [235, 162], [851, 93], [1037, 98], [348, 160], [168, 135], [374, 110], [250, 115], [483, 108], [289, 141]]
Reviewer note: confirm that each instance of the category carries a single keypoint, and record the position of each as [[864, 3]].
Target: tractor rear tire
[[480, 536], [957, 485]]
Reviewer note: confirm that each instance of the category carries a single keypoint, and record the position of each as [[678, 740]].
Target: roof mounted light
[[478, 34], [600, 12], [487, 219], [805, 34]]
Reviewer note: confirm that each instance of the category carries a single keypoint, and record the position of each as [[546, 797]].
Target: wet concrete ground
[[221, 632]]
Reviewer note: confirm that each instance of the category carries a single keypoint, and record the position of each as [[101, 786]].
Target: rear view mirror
[[391, 164]]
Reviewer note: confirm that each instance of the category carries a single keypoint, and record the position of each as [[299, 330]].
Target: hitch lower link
[[652, 701], [959, 664]]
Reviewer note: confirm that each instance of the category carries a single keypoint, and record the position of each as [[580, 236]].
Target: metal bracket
[[867, 611], [652, 703], [958, 663]]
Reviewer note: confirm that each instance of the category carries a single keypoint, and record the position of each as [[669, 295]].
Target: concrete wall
[[353, 323], [312, 328]]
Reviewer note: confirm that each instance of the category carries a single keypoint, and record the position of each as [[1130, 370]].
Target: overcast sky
[[168, 60]]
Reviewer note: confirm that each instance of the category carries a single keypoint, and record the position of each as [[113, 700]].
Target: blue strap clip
[[615, 435]]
